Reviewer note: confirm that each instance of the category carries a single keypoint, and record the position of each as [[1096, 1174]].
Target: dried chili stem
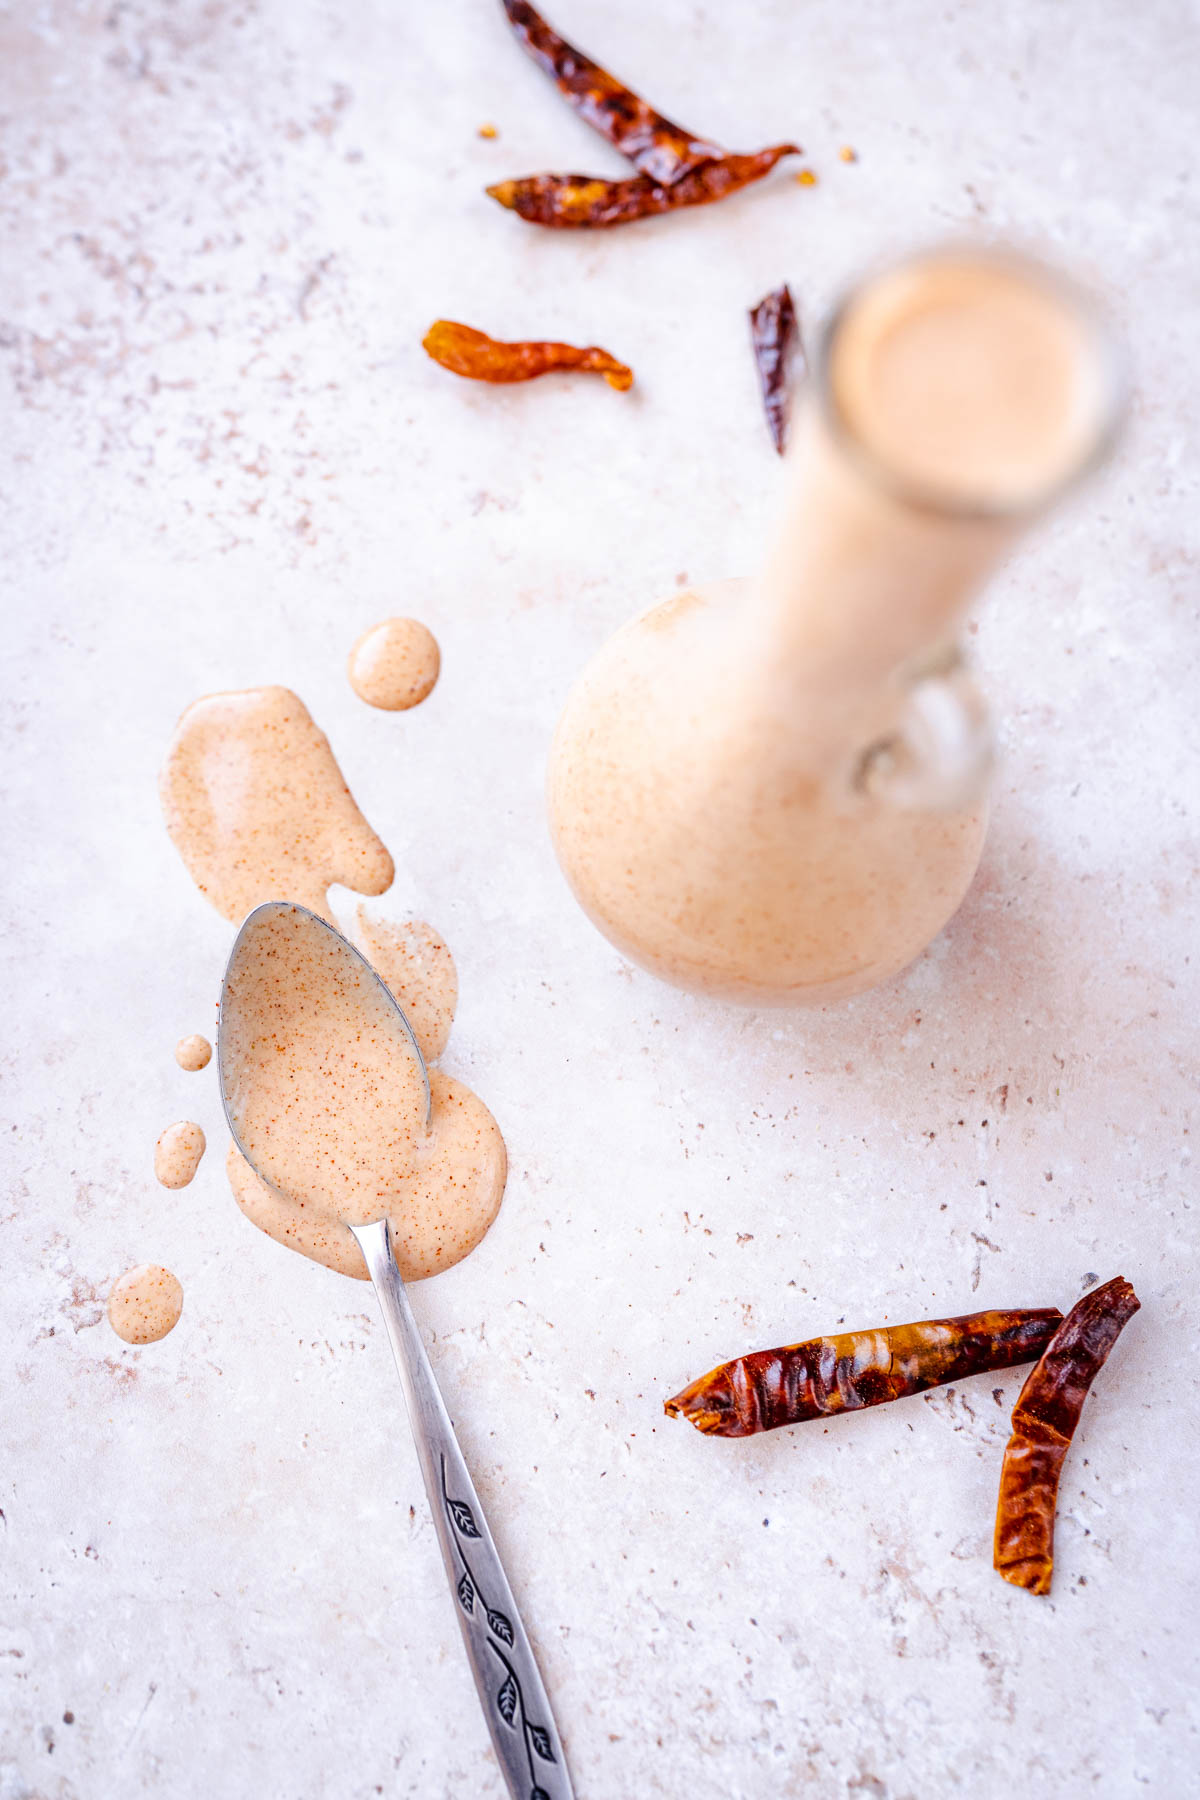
[[654, 145], [582, 202], [1044, 1420], [475, 355], [774, 335], [853, 1369]]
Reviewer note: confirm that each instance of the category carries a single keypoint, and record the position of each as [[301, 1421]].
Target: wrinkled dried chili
[[773, 333], [1044, 1420], [654, 145], [853, 1369], [580, 202], [465, 351]]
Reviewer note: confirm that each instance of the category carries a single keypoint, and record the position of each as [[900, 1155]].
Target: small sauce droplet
[[395, 665], [177, 1153], [848, 153], [145, 1304], [193, 1053]]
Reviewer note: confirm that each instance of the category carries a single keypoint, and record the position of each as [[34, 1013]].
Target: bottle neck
[[862, 587], [952, 398]]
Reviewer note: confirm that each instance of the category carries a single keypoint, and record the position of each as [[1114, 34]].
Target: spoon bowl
[[266, 936]]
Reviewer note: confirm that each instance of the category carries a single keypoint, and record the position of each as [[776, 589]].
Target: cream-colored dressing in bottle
[[773, 791]]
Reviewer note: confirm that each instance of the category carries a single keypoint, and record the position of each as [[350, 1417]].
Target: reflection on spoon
[[327, 1096]]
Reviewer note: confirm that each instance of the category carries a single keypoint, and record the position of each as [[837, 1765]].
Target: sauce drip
[[415, 962], [258, 808], [329, 1098], [395, 665], [177, 1154], [193, 1053], [145, 1303]]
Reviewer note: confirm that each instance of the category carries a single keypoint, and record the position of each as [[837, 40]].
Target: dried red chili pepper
[[654, 145], [579, 202], [1044, 1420], [465, 351], [773, 333], [853, 1369]]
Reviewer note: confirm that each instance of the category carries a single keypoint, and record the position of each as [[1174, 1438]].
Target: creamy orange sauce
[[331, 1104], [193, 1053], [145, 1303], [415, 962], [334, 1101], [177, 1154], [258, 808], [395, 665]]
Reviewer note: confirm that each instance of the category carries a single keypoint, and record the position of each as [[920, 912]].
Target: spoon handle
[[510, 1688]]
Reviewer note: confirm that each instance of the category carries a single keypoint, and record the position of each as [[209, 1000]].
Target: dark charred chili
[[853, 1369], [580, 202], [774, 335], [1044, 1421], [654, 145], [465, 351]]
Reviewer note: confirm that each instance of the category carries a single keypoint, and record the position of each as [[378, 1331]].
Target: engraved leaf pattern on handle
[[510, 1701], [463, 1517], [500, 1626], [507, 1699], [539, 1737]]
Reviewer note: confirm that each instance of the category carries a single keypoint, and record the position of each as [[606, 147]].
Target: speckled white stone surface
[[223, 230]]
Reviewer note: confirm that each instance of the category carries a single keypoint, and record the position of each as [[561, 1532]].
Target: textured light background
[[223, 229]]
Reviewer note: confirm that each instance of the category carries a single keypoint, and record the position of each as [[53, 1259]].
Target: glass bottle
[[775, 790]]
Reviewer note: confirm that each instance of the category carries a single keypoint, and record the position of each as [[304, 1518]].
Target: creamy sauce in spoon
[[258, 808], [193, 1053], [145, 1303], [327, 1093], [177, 1153]]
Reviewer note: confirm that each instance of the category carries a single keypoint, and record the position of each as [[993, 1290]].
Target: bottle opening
[[971, 382]]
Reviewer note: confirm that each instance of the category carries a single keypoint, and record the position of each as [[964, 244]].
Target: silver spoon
[[510, 1688]]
